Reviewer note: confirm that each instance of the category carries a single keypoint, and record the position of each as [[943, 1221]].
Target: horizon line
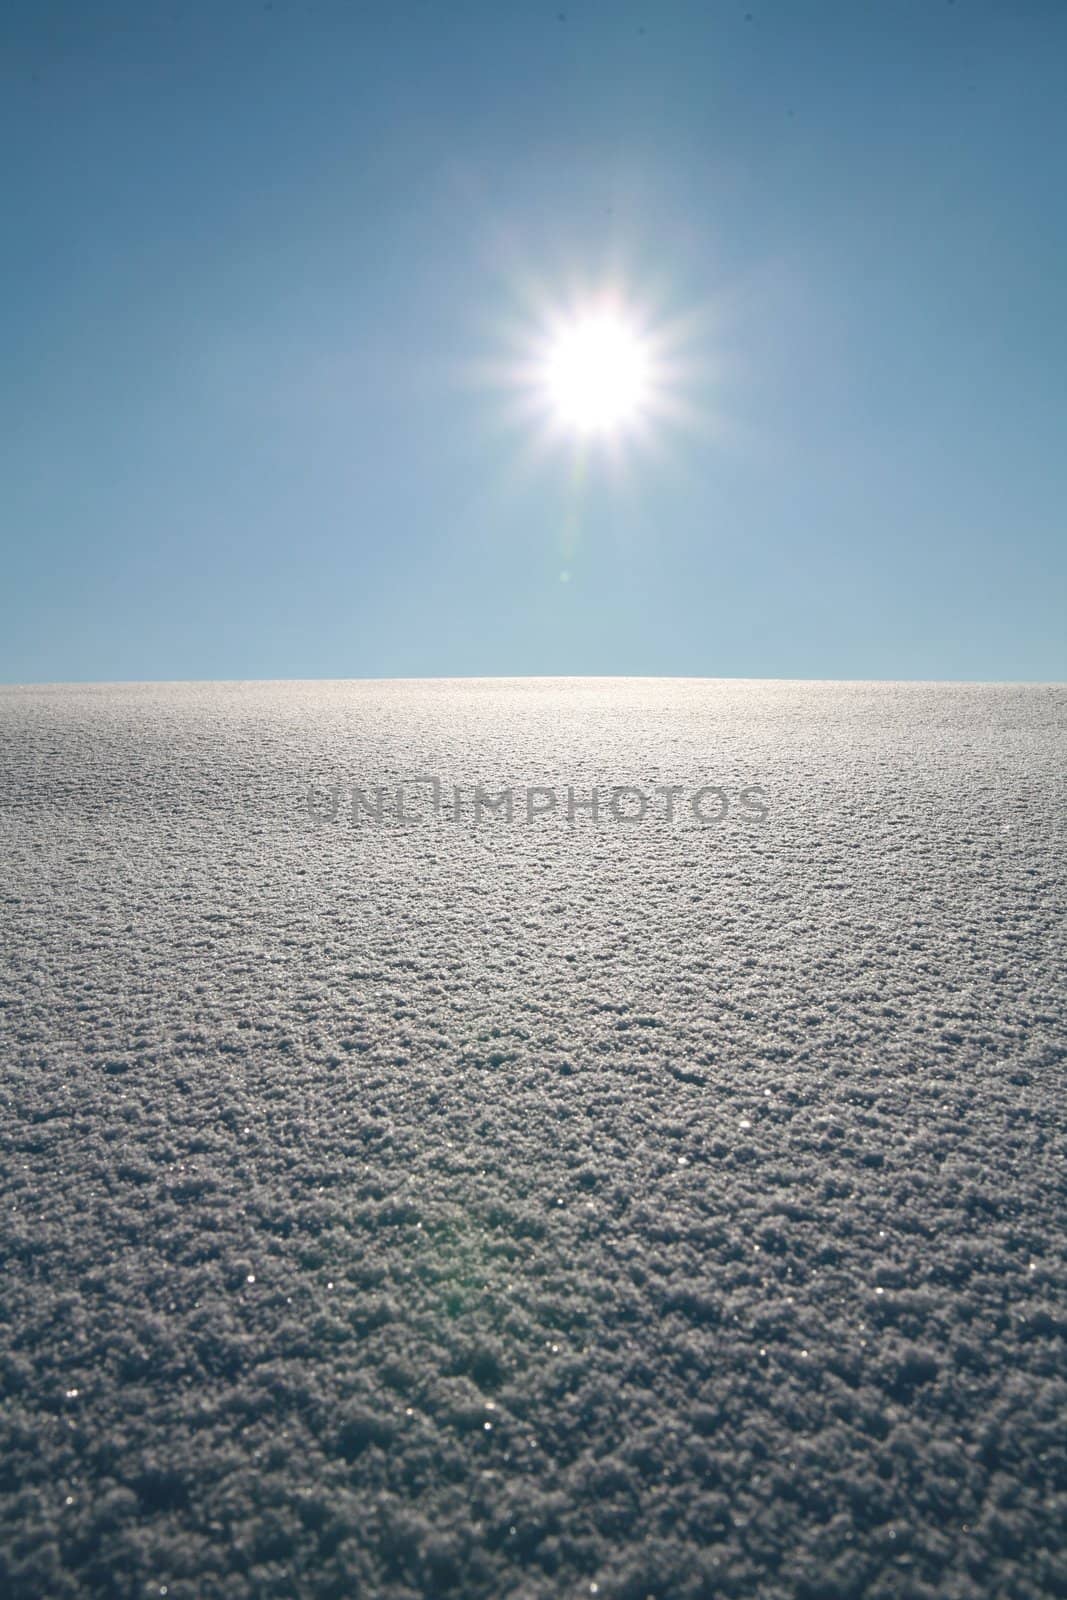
[[532, 677]]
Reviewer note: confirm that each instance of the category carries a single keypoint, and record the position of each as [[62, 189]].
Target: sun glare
[[597, 375]]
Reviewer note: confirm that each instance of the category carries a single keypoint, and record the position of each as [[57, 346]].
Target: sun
[[597, 374]]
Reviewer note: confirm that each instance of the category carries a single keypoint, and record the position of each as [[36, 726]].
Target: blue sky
[[268, 268]]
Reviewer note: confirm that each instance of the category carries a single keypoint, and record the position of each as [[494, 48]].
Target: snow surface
[[533, 1210]]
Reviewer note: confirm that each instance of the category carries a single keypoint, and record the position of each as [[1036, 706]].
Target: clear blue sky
[[259, 260]]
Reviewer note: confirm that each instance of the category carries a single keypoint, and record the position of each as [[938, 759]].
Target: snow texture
[[539, 1209]]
